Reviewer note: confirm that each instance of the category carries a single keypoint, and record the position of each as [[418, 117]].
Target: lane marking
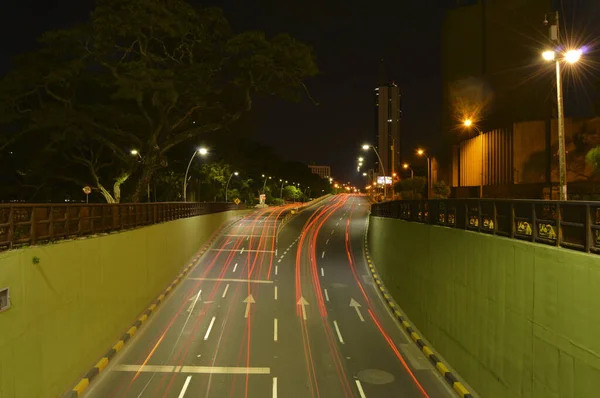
[[275, 329], [212, 322], [185, 386], [323, 254], [230, 280], [275, 292], [332, 231], [242, 251], [322, 272], [192, 369], [337, 330], [276, 270], [191, 307], [360, 389], [225, 291], [266, 236], [337, 224], [341, 218], [247, 237], [235, 267], [274, 387], [327, 242], [326, 295], [279, 260]]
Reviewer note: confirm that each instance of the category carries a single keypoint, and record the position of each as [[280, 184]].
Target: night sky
[[349, 36]]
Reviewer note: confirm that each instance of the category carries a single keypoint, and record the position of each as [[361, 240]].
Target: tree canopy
[[142, 76]]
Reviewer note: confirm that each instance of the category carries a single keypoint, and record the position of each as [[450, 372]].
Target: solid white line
[[274, 387], [360, 389], [326, 295], [337, 330], [276, 270], [185, 386], [212, 321], [275, 292], [230, 280], [191, 369], [235, 267], [242, 251], [225, 291], [323, 254], [322, 272], [275, 329], [246, 235]]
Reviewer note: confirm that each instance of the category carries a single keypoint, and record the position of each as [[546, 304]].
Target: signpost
[[237, 201], [87, 191]]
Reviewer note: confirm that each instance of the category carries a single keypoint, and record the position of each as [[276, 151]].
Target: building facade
[[388, 116], [321, 171]]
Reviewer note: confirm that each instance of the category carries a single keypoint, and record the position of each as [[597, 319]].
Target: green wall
[[67, 310], [514, 319]]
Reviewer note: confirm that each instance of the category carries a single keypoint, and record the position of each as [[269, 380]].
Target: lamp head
[[549, 55], [468, 123], [365, 147], [405, 165], [420, 152], [236, 173], [202, 151], [573, 56], [134, 152]]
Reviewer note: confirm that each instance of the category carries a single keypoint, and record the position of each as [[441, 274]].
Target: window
[[4, 299]]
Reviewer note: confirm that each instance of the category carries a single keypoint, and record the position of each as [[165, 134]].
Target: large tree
[[142, 75]]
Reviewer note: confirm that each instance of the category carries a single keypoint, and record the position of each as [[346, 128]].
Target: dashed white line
[[332, 231], [360, 389], [323, 254], [337, 330], [326, 294], [275, 292], [327, 242], [276, 270], [279, 260], [274, 387], [225, 291], [275, 337], [212, 322], [235, 267], [338, 223], [185, 386], [322, 272]]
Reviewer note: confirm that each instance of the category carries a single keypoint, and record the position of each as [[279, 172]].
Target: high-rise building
[[321, 171], [388, 114]]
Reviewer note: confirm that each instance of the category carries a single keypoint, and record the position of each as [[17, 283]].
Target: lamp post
[[228, 181], [265, 183], [202, 152], [421, 152], [281, 190], [571, 57], [468, 123], [407, 167], [366, 147], [135, 152]]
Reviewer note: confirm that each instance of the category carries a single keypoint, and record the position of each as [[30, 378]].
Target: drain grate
[[4, 299]]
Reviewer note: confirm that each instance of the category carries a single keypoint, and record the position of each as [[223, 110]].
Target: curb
[[456, 385], [85, 381]]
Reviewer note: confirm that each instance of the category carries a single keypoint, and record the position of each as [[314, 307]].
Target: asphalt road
[[276, 311]]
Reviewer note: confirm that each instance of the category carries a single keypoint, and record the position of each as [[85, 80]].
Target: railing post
[[51, 224], [533, 224], [32, 218], [495, 216], [479, 216], [588, 229], [511, 218], [559, 231]]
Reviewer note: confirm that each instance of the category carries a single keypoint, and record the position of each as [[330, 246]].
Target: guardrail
[[28, 224], [569, 224]]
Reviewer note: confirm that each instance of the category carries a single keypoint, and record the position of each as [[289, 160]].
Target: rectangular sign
[[384, 180]]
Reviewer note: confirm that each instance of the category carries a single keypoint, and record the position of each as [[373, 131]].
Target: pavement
[[276, 311]]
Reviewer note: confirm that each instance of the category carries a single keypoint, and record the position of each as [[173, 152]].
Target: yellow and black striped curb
[[448, 376], [85, 381]]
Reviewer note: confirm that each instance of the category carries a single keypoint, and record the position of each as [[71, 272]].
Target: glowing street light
[[573, 56], [202, 152], [407, 167], [366, 147], [235, 173], [549, 55], [360, 159], [468, 123], [421, 152], [135, 152]]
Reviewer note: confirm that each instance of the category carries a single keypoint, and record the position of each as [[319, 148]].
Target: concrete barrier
[[71, 300], [514, 319]]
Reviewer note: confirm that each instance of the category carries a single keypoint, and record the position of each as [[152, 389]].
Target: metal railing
[[28, 224], [569, 224]]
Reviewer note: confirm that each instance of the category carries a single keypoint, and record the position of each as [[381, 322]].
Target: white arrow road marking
[[356, 305], [185, 386], [191, 307], [302, 302], [337, 330], [326, 295], [225, 291], [360, 389], [212, 322], [248, 301]]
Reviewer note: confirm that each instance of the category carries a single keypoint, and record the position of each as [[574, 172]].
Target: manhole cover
[[374, 376]]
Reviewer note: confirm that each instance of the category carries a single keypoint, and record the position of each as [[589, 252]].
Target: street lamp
[[235, 173], [468, 123], [281, 190], [421, 152], [366, 147], [265, 183], [407, 167], [137, 153], [202, 152], [570, 57]]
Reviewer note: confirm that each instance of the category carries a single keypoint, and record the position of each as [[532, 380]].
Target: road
[[276, 311]]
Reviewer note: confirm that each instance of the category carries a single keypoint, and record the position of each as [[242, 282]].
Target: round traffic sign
[[87, 190]]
